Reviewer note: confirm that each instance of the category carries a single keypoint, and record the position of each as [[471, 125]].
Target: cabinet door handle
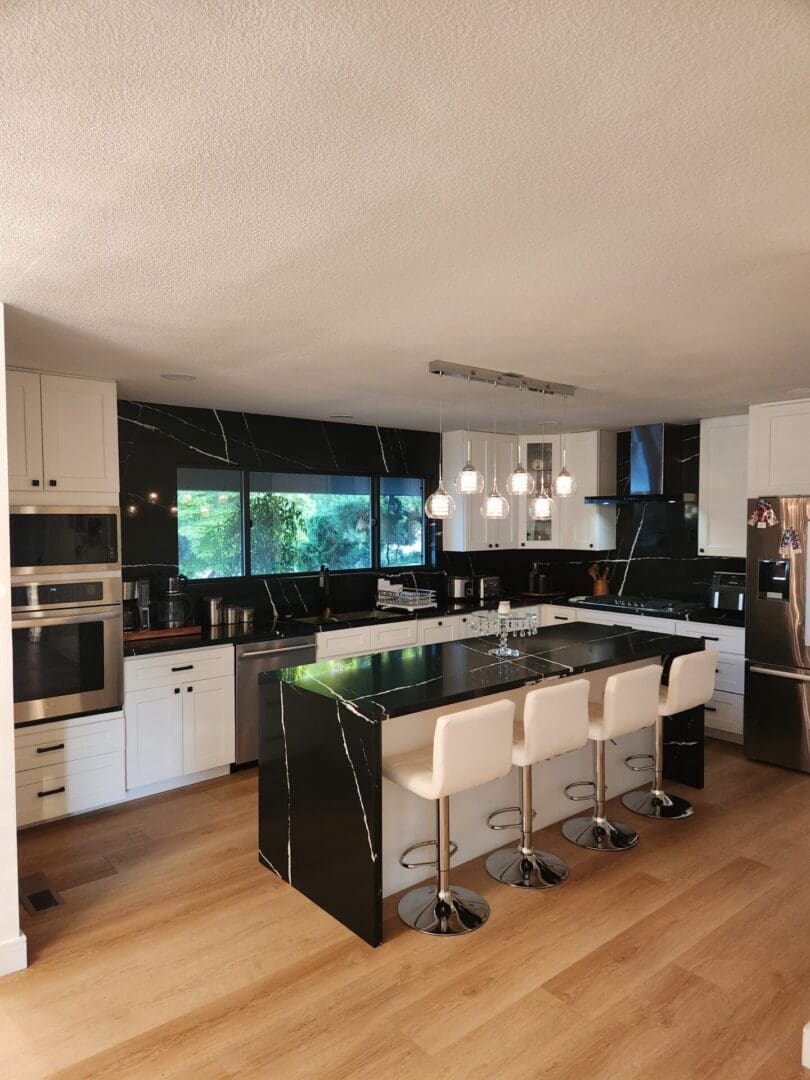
[[47, 749], [35, 483], [177, 689], [53, 791], [189, 689], [184, 667], [52, 483]]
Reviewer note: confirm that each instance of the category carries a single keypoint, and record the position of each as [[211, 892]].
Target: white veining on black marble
[[382, 449], [633, 548], [224, 437], [250, 437], [345, 701], [304, 607], [401, 450], [329, 444], [174, 438], [356, 784], [289, 789], [269, 865], [270, 598]]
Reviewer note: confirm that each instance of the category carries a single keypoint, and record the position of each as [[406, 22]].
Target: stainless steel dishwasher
[[251, 661]]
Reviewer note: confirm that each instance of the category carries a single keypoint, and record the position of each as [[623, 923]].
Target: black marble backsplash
[[656, 544]]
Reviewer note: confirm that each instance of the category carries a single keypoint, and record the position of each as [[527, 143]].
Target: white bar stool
[[555, 720], [691, 683], [630, 704], [469, 748]]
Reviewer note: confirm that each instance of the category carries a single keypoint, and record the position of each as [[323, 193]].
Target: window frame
[[376, 567]]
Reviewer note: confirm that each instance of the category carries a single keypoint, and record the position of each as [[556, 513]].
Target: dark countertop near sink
[[703, 614], [430, 676], [268, 630]]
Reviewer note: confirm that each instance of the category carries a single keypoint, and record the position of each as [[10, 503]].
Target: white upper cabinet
[[79, 434], [541, 456], [590, 457], [24, 431], [779, 448], [722, 496], [62, 436]]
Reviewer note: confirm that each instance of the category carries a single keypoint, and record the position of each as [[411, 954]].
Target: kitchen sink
[[350, 616]]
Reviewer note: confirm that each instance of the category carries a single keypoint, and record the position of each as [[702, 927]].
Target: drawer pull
[[53, 791], [184, 667], [561, 618], [48, 749], [706, 637], [710, 708]]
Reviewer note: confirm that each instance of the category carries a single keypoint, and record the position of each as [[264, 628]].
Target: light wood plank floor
[[177, 955]]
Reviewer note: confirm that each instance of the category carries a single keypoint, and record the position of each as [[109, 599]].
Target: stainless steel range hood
[[657, 459]]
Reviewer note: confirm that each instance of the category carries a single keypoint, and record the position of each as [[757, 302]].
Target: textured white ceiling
[[303, 203]]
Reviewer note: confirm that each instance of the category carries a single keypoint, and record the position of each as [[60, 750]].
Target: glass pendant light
[[495, 507], [565, 484], [541, 506], [440, 505], [519, 481], [469, 481]]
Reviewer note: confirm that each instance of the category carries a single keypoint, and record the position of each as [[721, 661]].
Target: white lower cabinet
[[435, 631], [154, 735], [183, 725], [208, 724], [69, 766], [552, 614], [724, 713]]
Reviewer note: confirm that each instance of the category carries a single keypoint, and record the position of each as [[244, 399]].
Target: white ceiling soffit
[[303, 203]]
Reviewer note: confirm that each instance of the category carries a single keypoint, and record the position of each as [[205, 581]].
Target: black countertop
[[270, 630], [425, 677], [702, 615]]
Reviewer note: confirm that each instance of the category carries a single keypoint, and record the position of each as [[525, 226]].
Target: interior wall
[[13, 949]]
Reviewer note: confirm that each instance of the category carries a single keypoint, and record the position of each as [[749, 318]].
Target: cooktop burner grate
[[641, 605]]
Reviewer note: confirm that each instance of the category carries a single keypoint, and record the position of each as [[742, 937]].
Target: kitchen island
[[327, 826]]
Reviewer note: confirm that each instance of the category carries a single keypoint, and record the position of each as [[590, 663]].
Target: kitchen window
[[233, 523]]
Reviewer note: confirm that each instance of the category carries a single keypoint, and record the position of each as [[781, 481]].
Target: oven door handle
[[65, 619], [779, 674]]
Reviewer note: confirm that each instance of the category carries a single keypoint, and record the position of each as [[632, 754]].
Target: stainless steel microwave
[[64, 539]]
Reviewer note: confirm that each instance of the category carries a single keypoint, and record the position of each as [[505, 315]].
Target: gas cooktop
[[641, 605]]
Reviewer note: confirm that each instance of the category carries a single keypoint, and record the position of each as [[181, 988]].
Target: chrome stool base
[[658, 805], [460, 912], [526, 870], [596, 835]]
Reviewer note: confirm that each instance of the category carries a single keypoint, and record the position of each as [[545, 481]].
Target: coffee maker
[[174, 606]]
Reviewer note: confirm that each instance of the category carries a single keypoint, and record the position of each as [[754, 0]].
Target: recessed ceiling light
[[178, 376], [341, 416]]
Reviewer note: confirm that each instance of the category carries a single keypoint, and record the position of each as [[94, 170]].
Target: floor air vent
[[36, 894]]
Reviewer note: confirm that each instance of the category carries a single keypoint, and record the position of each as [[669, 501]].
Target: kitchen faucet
[[325, 584]]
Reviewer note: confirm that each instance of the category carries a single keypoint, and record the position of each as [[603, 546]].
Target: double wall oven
[[67, 631]]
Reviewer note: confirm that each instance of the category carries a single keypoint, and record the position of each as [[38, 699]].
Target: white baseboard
[[176, 782], [806, 1046], [13, 955]]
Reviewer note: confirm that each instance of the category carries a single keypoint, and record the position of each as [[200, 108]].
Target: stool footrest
[[509, 824], [640, 757], [424, 862], [581, 798]]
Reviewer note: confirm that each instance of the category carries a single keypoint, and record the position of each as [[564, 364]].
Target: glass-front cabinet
[[541, 456]]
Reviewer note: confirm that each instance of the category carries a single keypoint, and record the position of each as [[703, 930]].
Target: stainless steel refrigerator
[[777, 636]]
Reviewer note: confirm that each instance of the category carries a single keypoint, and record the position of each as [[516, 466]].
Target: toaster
[[487, 588], [459, 588]]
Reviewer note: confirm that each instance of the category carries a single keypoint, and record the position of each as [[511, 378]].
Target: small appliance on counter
[[174, 606], [129, 606], [487, 588], [211, 612], [459, 588], [539, 582], [727, 592], [143, 594]]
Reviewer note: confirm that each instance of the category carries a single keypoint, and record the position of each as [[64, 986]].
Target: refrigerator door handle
[[779, 674]]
